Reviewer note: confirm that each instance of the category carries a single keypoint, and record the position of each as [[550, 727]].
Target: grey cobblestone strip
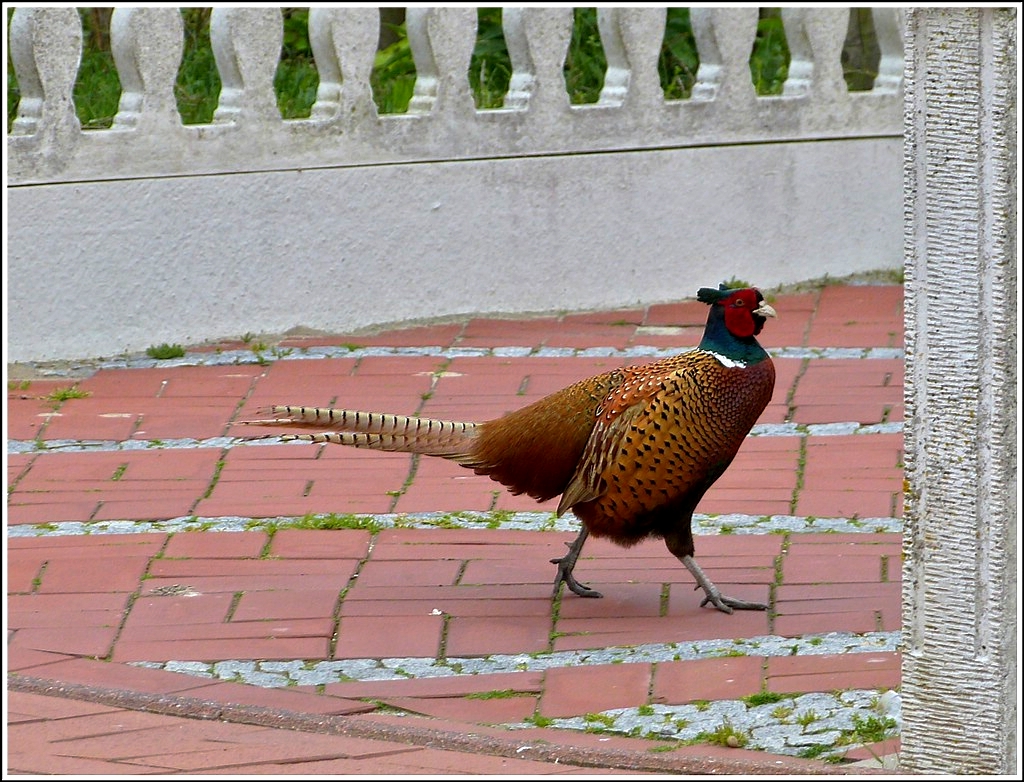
[[289, 673], [821, 724], [245, 357], [815, 724], [723, 524]]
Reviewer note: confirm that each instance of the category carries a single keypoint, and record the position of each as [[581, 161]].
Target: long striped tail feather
[[379, 431]]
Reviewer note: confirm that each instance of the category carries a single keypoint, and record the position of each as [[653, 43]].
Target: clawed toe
[[729, 604], [565, 568], [574, 586], [712, 595]]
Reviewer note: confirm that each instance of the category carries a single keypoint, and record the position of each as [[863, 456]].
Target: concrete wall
[[960, 582], [153, 231]]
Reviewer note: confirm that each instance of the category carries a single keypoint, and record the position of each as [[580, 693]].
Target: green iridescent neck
[[718, 339]]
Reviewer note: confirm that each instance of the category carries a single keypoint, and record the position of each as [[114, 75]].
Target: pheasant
[[631, 451]]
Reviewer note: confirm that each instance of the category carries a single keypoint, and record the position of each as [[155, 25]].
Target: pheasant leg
[[566, 565], [713, 596]]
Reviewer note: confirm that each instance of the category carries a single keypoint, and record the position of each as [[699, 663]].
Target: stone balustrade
[[147, 137]]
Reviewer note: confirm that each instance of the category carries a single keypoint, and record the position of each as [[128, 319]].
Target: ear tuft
[[709, 295]]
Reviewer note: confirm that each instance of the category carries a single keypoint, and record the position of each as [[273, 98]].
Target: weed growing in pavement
[[729, 653], [872, 729], [324, 521], [539, 720], [499, 695], [59, 395], [664, 748], [807, 717], [725, 735], [866, 731], [598, 723], [782, 713], [56, 398], [163, 351], [817, 750], [763, 697]]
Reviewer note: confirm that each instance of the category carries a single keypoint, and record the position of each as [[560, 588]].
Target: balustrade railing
[[147, 137]]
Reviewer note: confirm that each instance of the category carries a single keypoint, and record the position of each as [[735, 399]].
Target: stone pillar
[[960, 540]]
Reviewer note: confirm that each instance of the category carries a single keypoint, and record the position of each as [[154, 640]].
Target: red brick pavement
[[80, 608]]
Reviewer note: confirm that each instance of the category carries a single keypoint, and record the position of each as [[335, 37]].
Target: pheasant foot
[[566, 565], [713, 595]]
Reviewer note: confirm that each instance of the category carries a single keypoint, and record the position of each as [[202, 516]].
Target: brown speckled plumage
[[632, 451], [649, 465]]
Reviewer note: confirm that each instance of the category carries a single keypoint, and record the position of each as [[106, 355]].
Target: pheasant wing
[[662, 436]]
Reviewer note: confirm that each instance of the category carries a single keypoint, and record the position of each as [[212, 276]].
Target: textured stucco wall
[[154, 231], [133, 263], [960, 543]]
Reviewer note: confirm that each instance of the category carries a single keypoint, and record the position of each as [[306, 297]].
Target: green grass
[[164, 351], [59, 395], [866, 731], [326, 521], [724, 735], [664, 748], [729, 653], [197, 88], [782, 713], [815, 751], [871, 729], [763, 697], [491, 695], [539, 720], [769, 62], [806, 718], [601, 720]]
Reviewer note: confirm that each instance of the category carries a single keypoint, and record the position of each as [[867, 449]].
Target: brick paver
[[81, 607]]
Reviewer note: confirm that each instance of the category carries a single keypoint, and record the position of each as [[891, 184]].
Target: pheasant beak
[[766, 310]]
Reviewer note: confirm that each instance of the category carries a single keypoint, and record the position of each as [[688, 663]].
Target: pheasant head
[[736, 318]]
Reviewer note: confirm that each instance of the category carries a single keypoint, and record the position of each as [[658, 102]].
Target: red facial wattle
[[739, 317]]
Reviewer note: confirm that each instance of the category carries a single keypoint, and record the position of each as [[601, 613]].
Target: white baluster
[[426, 87], [538, 41], [815, 37], [616, 76], [46, 49], [889, 24], [247, 48], [344, 43], [632, 39], [523, 81], [724, 37], [147, 44], [442, 41]]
